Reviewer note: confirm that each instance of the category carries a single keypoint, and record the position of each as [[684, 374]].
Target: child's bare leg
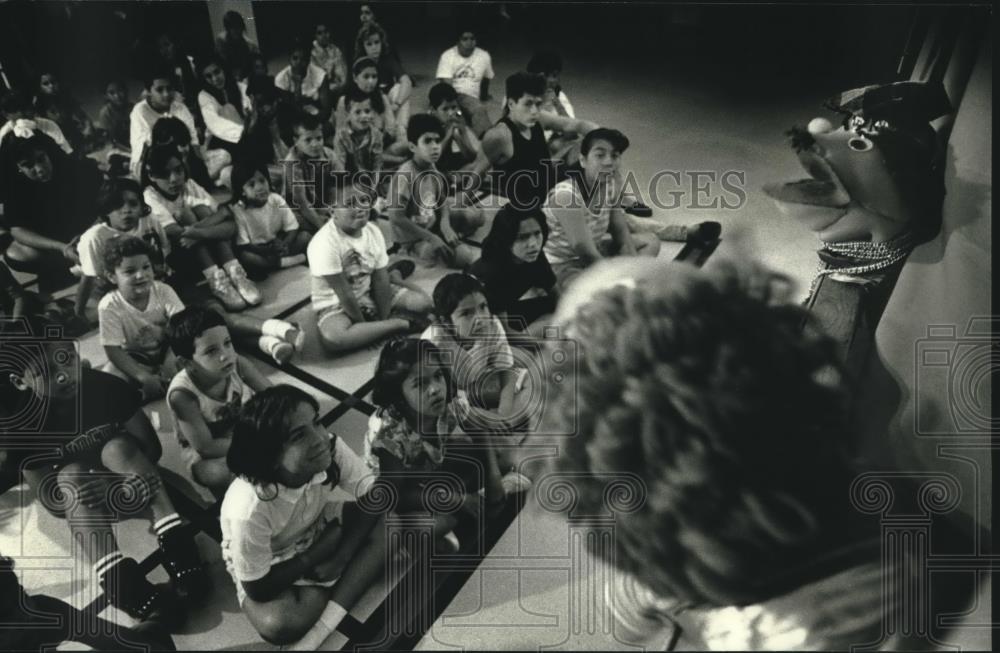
[[300, 243], [288, 617], [123, 456], [366, 567], [223, 251], [203, 255], [90, 522], [338, 333], [140, 428], [213, 474], [256, 261]]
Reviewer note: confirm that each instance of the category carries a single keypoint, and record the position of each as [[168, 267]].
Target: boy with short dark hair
[[205, 396], [354, 301], [308, 169], [160, 102], [425, 222], [94, 442], [469, 70], [460, 146], [113, 117], [482, 362], [358, 144]]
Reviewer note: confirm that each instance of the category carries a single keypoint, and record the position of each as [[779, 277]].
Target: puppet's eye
[[855, 122], [860, 144]]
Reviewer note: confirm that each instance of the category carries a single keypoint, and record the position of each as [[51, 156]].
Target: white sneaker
[[245, 287], [223, 289], [514, 482]]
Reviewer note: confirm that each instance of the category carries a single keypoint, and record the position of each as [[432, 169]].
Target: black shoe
[[640, 210], [183, 562], [704, 232], [404, 266], [128, 590]]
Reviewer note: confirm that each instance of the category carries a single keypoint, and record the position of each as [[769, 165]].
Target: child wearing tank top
[[205, 396]]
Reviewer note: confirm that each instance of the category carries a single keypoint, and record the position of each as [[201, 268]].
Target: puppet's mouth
[[822, 188]]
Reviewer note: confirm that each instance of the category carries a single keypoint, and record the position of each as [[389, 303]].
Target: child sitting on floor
[[426, 223], [308, 168], [190, 219], [364, 81], [93, 463], [268, 237], [460, 146], [133, 318], [206, 394], [482, 362], [54, 103], [357, 145], [160, 102], [300, 555], [204, 167], [122, 212], [421, 417], [18, 111], [354, 301], [113, 116]]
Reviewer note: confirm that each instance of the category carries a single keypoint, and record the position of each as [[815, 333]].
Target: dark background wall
[[792, 45]]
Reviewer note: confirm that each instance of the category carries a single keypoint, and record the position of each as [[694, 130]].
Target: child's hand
[[441, 248], [91, 493]]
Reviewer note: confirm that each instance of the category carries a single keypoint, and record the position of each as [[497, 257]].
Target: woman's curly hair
[[731, 414]]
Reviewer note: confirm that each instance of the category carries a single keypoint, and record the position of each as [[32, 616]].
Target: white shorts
[[366, 302]]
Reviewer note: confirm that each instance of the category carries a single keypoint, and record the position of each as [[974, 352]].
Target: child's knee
[[123, 450], [280, 627]]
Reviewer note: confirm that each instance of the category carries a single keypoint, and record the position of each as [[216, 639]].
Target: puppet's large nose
[[819, 126]]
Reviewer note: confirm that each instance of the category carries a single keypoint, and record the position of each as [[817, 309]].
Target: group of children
[[452, 397]]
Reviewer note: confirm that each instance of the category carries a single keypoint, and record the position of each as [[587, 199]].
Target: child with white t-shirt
[[268, 236], [469, 69], [133, 318], [191, 220], [300, 555], [122, 212], [355, 302]]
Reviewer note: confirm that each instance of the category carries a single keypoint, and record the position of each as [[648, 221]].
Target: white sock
[[172, 520], [328, 622], [289, 261], [107, 562], [276, 328], [231, 265], [210, 272]]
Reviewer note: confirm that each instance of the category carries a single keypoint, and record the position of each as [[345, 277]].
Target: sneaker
[[704, 232], [278, 349], [223, 289], [128, 590], [640, 210], [514, 482], [404, 266], [246, 288], [183, 562]]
